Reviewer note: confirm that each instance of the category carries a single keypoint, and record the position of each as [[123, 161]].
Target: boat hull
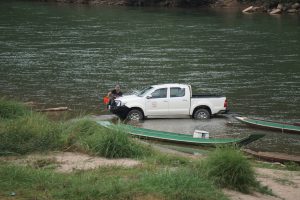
[[182, 138], [269, 125]]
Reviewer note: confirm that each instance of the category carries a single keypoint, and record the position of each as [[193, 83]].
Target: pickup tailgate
[[216, 103]]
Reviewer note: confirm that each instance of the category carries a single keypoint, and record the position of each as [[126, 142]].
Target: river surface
[[71, 55]]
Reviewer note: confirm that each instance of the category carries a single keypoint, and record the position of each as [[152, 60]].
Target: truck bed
[[207, 96]]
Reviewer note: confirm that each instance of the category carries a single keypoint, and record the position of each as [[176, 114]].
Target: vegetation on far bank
[[269, 2], [161, 176], [160, 3], [175, 3]]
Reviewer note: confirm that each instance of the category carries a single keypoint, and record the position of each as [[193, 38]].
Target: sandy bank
[[284, 184], [69, 161]]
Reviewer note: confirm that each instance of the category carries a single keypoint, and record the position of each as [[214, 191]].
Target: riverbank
[[274, 8], [77, 159], [247, 6], [142, 3], [71, 175]]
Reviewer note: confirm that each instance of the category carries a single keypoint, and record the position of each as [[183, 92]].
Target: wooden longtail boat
[[181, 138], [273, 156], [283, 127]]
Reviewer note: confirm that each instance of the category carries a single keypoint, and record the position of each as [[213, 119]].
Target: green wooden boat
[[280, 126], [181, 138]]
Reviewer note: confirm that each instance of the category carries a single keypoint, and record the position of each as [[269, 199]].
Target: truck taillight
[[225, 103]]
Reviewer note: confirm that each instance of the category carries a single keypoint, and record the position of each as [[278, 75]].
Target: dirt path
[[69, 161], [284, 184], [74, 161]]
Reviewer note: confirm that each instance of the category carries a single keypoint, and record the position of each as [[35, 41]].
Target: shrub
[[76, 132], [116, 144], [32, 132], [229, 168], [86, 135], [12, 109]]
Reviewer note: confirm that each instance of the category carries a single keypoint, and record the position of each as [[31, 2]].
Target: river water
[[61, 54]]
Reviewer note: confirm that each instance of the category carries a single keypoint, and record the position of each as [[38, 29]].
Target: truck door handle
[[184, 100], [165, 101]]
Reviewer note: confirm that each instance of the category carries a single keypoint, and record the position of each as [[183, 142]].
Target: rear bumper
[[120, 111], [223, 111]]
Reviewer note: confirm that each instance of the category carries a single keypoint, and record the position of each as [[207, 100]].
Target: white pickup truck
[[168, 100]]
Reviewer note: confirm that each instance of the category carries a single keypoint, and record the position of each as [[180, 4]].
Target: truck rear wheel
[[135, 115], [201, 114]]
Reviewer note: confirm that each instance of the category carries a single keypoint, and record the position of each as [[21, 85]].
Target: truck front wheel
[[201, 113], [135, 115]]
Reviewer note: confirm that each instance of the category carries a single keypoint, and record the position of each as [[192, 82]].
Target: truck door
[[179, 102], [158, 102]]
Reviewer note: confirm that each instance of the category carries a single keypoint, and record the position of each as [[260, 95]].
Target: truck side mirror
[[149, 96]]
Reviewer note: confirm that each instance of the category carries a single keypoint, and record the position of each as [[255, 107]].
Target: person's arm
[[109, 94]]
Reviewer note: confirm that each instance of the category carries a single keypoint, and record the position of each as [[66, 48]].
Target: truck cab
[[168, 100]]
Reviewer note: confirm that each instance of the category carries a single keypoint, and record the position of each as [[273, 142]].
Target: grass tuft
[[86, 135], [30, 133], [229, 168], [77, 131], [12, 109], [116, 144]]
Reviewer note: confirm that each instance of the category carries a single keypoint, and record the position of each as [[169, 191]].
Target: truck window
[[159, 93], [177, 92], [143, 91]]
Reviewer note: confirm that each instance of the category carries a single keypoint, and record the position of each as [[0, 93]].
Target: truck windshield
[[143, 91]]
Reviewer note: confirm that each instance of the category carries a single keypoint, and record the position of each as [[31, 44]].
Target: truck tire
[[201, 114], [135, 114]]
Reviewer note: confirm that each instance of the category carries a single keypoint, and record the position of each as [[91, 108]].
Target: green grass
[[24, 131], [12, 109], [181, 184], [160, 176], [292, 166], [229, 168], [32, 132], [35, 132], [105, 183], [170, 160], [86, 135], [117, 144]]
